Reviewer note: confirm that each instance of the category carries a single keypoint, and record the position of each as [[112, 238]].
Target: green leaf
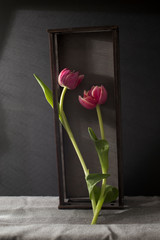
[[93, 179], [102, 148], [97, 191], [111, 194], [92, 134], [47, 92]]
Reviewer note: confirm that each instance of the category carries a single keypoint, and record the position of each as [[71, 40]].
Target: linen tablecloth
[[39, 218]]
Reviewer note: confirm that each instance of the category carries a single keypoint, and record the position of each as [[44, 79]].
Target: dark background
[[27, 145]]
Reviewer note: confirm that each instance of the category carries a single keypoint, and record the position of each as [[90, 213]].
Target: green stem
[[100, 203], [93, 201], [100, 121], [104, 170], [70, 134], [68, 130], [62, 99]]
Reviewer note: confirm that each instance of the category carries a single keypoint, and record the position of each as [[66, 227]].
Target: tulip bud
[[69, 79], [96, 95]]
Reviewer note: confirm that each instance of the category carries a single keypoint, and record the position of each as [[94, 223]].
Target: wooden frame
[[94, 52]]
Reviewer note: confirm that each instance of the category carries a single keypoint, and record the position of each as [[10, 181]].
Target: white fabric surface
[[39, 218]]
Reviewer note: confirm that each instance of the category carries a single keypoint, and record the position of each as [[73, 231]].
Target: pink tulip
[[69, 79], [90, 99]]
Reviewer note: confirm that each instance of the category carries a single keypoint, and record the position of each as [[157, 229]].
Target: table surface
[[39, 218]]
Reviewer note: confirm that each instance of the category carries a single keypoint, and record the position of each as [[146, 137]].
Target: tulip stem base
[[100, 203]]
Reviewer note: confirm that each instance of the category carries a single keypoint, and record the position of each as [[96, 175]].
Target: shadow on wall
[[4, 142], [6, 17], [86, 5], [8, 9]]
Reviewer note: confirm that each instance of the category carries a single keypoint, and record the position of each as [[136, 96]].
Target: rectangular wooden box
[[93, 52]]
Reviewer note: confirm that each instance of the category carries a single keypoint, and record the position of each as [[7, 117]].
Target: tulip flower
[[97, 95], [69, 79]]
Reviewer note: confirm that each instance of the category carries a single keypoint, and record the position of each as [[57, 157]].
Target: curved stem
[[100, 202], [68, 130], [70, 134], [100, 121], [62, 99]]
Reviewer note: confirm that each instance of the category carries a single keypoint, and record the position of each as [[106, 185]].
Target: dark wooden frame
[[53, 33]]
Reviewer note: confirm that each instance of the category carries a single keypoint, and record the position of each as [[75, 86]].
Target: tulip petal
[[100, 94], [90, 91], [80, 78], [71, 80], [103, 95], [85, 93], [62, 76], [86, 104], [63, 72], [96, 91], [91, 100]]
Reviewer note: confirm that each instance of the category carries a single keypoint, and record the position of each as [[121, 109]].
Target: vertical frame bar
[[59, 151], [118, 112]]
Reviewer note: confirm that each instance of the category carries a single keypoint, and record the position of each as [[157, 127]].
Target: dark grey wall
[[27, 145]]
